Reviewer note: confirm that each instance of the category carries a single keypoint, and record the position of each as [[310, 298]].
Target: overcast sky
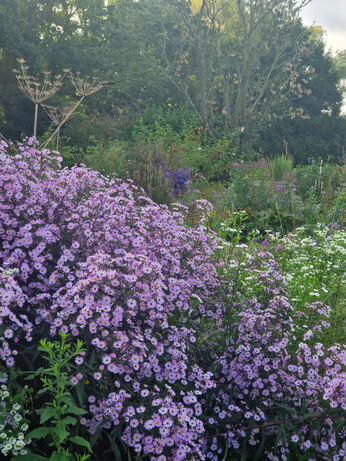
[[331, 15]]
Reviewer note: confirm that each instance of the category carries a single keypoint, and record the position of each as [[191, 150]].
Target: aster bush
[[190, 347], [12, 299], [99, 260], [279, 391]]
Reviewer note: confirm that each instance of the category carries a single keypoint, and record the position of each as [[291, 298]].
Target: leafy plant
[[61, 413], [281, 164]]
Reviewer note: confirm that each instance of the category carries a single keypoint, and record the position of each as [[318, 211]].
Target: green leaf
[[67, 399], [83, 457], [69, 420], [318, 425], [338, 427], [80, 393], [46, 414], [243, 452], [39, 433], [259, 452], [42, 391], [95, 436], [61, 380], [29, 457], [33, 375], [226, 451], [79, 344], [230, 396], [285, 407], [75, 410], [216, 334], [61, 432], [92, 357], [61, 456], [80, 441], [309, 415], [278, 436], [115, 449]]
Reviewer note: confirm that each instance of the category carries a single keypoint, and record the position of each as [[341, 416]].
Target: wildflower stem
[[63, 122], [277, 423], [35, 119]]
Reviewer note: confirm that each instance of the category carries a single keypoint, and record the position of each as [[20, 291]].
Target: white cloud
[[336, 40], [331, 15]]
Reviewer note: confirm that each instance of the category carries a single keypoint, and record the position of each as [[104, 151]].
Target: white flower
[[197, 297]]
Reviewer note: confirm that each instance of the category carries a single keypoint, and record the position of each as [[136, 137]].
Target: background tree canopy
[[247, 71]]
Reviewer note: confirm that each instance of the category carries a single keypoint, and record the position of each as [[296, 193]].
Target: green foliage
[[340, 64], [281, 164], [321, 136], [250, 185], [316, 178], [109, 159], [324, 96], [59, 415], [172, 117], [306, 194], [313, 263]]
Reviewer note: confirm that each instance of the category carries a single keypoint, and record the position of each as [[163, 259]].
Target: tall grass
[[282, 164]]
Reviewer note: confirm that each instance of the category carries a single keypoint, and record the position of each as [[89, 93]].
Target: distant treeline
[[247, 72]]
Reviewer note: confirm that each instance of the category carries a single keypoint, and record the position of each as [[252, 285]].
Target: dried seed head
[[31, 86]]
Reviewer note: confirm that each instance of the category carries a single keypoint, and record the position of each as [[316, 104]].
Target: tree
[[237, 63], [340, 66], [322, 134], [18, 38], [96, 38]]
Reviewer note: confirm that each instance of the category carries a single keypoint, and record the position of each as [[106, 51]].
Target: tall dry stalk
[[84, 88], [58, 115]]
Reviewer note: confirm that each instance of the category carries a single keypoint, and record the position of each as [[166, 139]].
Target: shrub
[[250, 185], [274, 378], [99, 260], [143, 163]]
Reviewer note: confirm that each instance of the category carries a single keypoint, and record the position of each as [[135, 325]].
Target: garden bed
[[128, 334]]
